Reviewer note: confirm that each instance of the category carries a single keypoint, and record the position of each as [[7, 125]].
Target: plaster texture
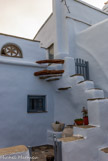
[[65, 23], [79, 31], [70, 101], [86, 149], [97, 110], [102, 156], [16, 157], [50, 136], [95, 51], [94, 93], [16, 83], [15, 153]]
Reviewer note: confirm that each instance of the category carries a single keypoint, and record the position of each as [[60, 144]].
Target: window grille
[[36, 104], [11, 50], [82, 67]]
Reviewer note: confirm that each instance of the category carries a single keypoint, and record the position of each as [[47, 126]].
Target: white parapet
[[16, 153], [69, 66], [94, 93], [93, 112], [75, 79], [98, 112], [51, 134]]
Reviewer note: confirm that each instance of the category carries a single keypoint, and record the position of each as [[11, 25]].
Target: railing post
[[57, 149], [30, 152]]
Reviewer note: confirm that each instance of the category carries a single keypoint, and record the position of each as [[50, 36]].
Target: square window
[[36, 104]]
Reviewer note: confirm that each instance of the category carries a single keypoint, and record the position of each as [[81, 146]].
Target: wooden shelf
[[48, 72], [64, 88], [56, 61]]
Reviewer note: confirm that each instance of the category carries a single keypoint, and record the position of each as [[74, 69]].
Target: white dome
[[105, 8]]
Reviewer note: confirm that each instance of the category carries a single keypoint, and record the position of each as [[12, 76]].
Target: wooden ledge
[[76, 75], [94, 99], [56, 61], [13, 150], [65, 88], [105, 150], [85, 126], [68, 139], [85, 81], [47, 72]]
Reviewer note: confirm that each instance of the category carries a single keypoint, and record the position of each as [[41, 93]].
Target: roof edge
[[91, 6], [19, 37], [43, 25]]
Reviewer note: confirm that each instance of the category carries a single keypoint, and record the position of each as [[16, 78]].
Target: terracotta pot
[[79, 122], [58, 127], [86, 122]]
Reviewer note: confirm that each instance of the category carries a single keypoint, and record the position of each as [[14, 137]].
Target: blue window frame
[[36, 104]]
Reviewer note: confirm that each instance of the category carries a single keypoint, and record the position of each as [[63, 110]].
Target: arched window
[[11, 50]]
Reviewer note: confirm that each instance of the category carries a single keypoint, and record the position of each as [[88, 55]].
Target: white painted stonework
[[18, 153], [77, 30]]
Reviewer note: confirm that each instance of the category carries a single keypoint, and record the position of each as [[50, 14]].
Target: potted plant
[[85, 116], [78, 121], [58, 126]]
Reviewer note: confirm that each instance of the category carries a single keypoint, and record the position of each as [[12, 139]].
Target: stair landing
[[85, 126], [68, 139]]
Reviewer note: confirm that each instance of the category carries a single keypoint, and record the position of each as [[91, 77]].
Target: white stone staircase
[[94, 135]]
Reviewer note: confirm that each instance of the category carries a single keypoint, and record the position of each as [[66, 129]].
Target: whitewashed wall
[[81, 17], [92, 46], [47, 33], [16, 82], [65, 23]]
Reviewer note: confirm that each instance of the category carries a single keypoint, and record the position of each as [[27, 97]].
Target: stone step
[[50, 76], [52, 79], [76, 75], [48, 72], [19, 152], [86, 84], [94, 93], [98, 112], [84, 148], [70, 139], [56, 61], [75, 79], [85, 130]]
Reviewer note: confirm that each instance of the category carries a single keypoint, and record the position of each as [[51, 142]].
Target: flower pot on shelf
[[86, 122], [85, 116], [57, 126], [79, 121]]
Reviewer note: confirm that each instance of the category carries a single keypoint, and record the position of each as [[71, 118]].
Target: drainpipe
[[61, 44]]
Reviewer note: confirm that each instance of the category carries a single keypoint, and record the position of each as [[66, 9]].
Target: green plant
[[85, 112], [57, 122], [80, 119]]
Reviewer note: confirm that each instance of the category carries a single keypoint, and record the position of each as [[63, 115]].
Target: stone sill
[[38, 112]]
